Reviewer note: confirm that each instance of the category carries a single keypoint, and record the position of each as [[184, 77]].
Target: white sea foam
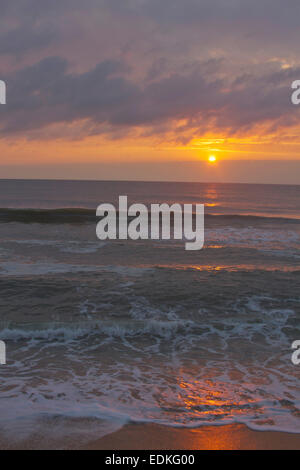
[[155, 366], [152, 388]]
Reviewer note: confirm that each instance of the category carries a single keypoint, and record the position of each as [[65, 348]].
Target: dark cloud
[[47, 93], [21, 40], [231, 11], [254, 14], [146, 63], [217, 22]]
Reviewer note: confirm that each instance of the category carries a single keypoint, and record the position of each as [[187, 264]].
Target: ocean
[[104, 333]]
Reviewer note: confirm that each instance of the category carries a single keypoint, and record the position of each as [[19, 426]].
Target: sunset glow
[[126, 112]]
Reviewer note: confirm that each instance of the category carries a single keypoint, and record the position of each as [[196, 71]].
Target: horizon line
[[148, 181]]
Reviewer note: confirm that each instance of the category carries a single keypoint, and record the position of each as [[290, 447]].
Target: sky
[[149, 89]]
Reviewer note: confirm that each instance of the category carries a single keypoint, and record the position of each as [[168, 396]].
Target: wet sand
[[230, 437], [156, 437]]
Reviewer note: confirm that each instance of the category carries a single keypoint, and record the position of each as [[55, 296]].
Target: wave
[[63, 331], [78, 215], [48, 216], [273, 323]]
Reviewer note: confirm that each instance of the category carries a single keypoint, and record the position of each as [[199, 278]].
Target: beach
[[156, 437], [230, 437]]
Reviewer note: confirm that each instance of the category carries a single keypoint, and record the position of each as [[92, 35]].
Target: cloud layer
[[156, 68]]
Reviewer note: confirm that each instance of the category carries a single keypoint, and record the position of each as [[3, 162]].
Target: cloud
[[106, 97], [173, 26], [21, 40], [118, 66]]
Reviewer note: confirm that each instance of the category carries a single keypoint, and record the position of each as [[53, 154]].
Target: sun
[[212, 159]]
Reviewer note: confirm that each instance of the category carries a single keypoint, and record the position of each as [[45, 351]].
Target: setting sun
[[212, 159]]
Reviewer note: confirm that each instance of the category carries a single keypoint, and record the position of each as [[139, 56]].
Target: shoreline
[[223, 437], [159, 437]]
